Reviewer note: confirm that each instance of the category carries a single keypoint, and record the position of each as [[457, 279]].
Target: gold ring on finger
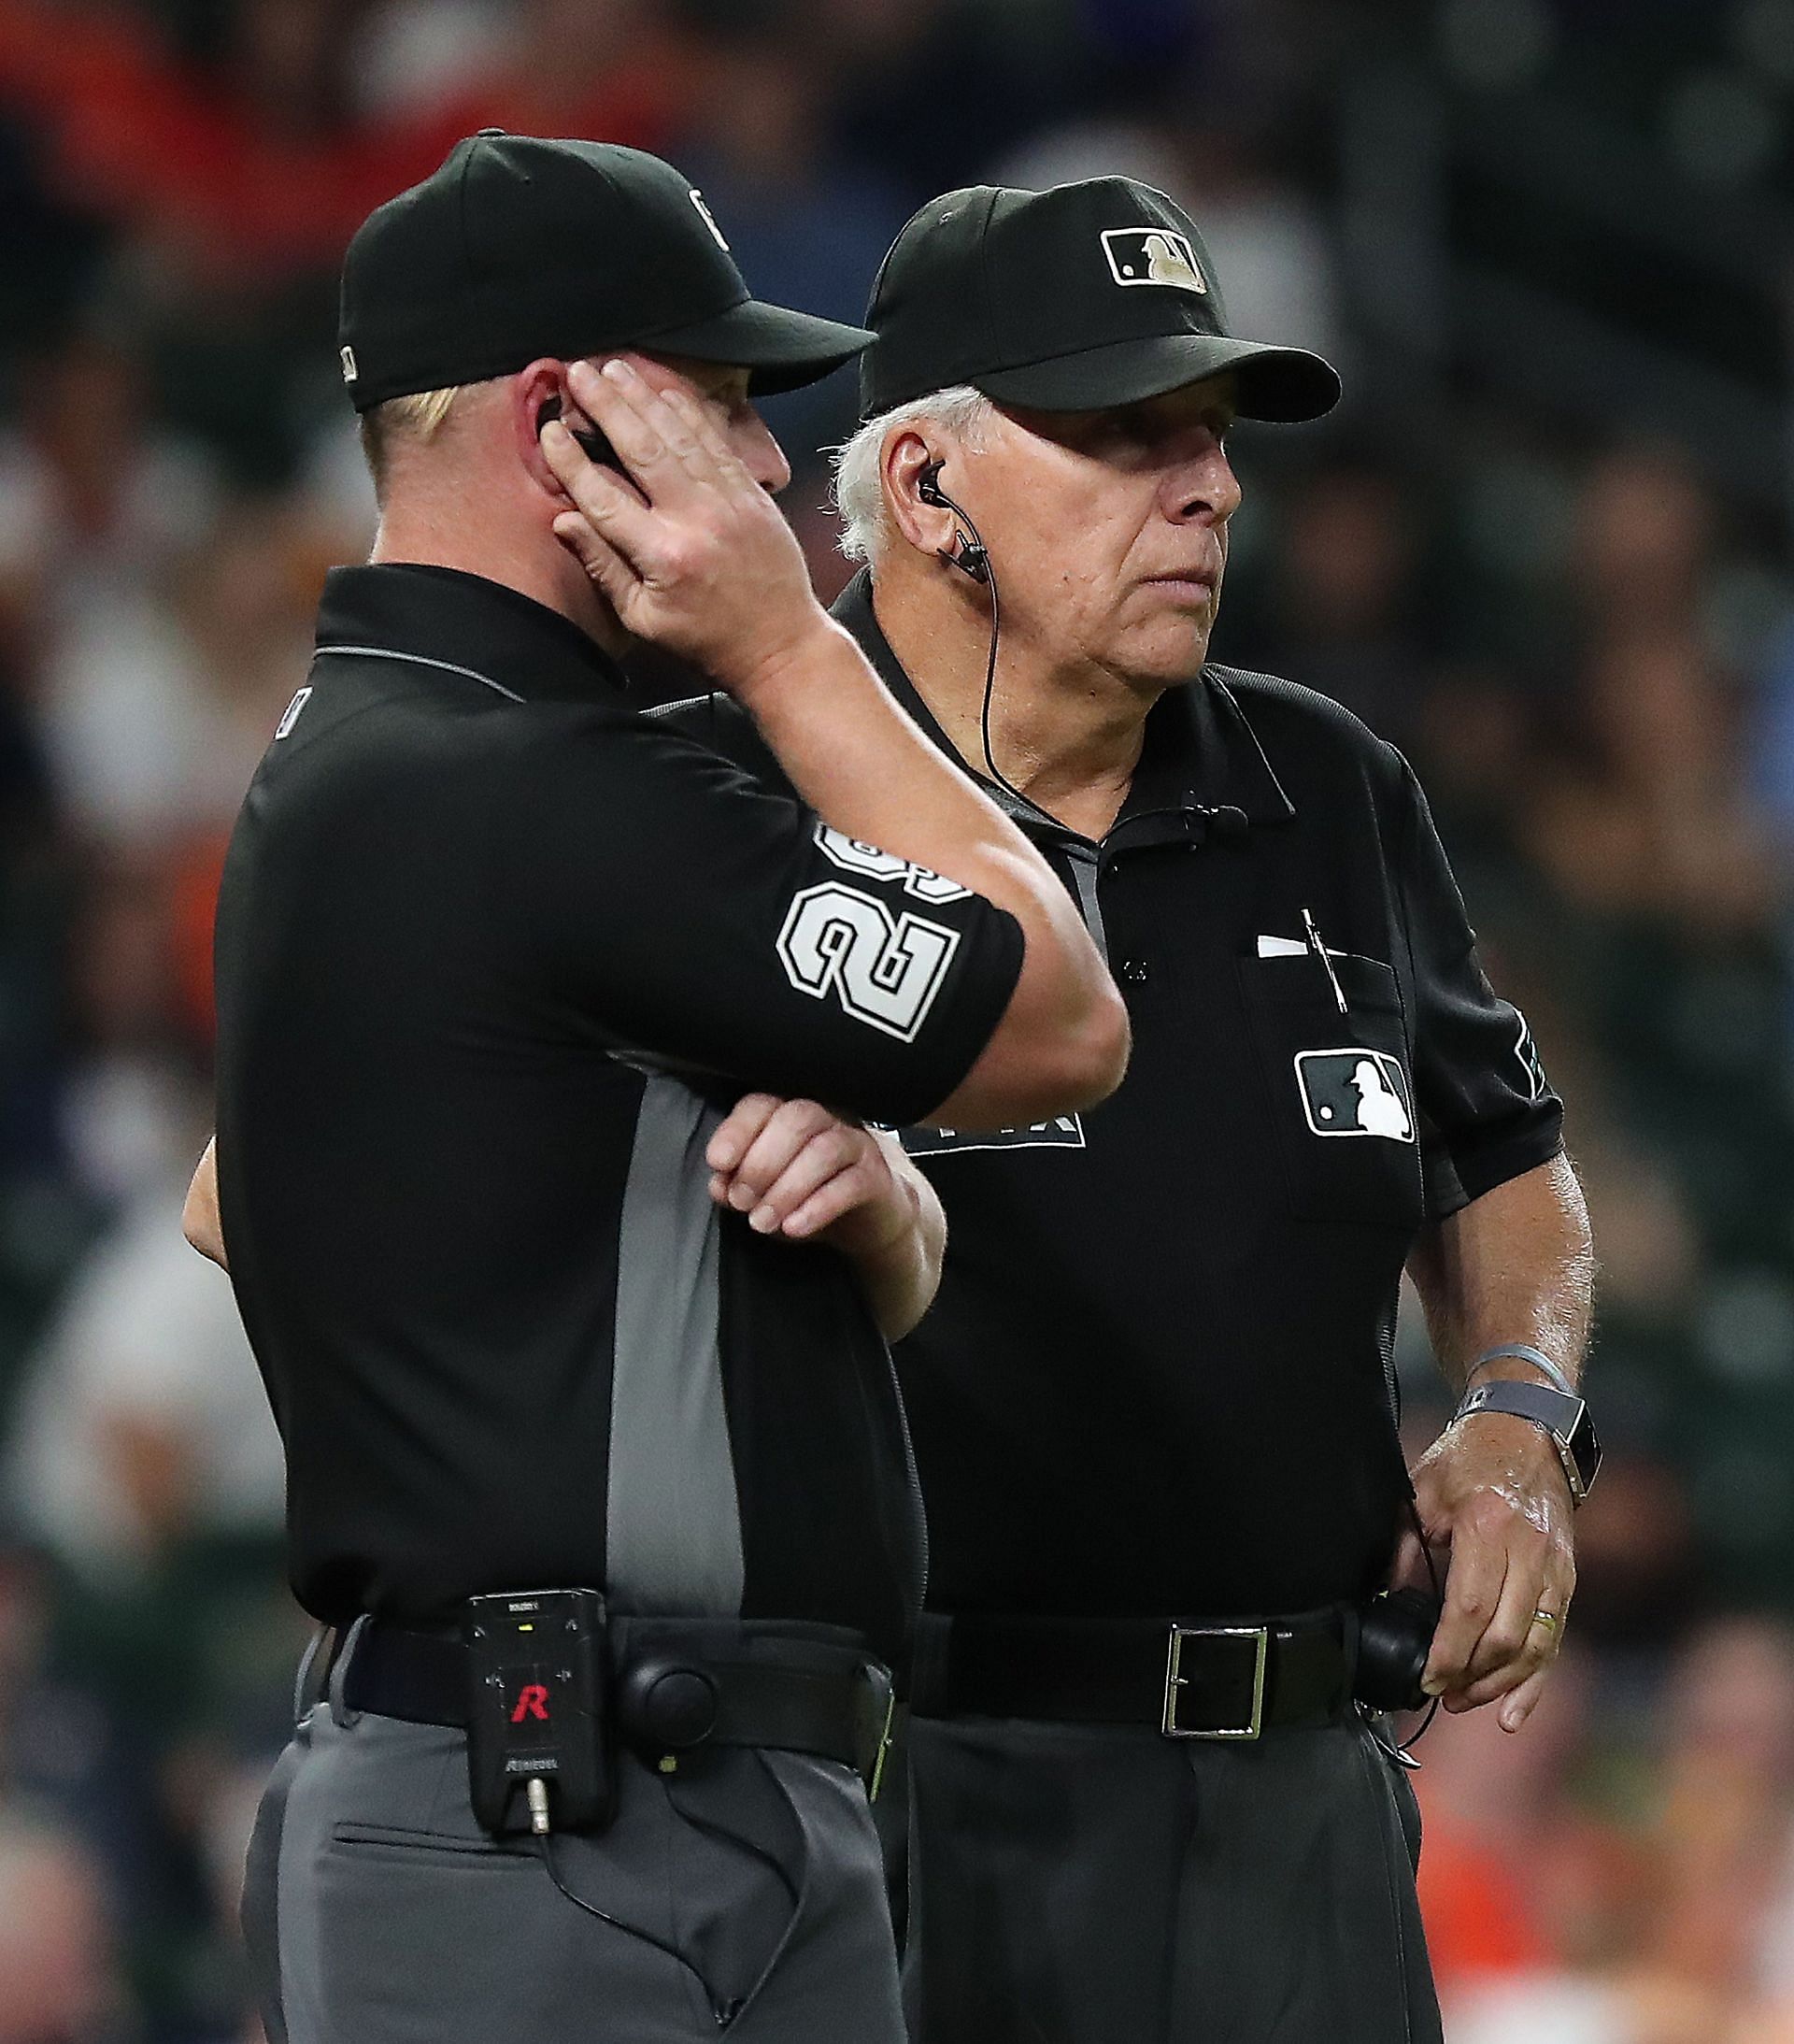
[[1549, 1620]]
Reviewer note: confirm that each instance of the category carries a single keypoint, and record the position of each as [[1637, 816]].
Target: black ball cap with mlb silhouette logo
[[1074, 299], [519, 247]]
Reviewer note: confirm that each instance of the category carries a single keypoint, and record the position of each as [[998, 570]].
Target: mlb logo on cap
[[1153, 255], [1355, 1092]]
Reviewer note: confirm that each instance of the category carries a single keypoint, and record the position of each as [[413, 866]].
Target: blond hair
[[418, 417]]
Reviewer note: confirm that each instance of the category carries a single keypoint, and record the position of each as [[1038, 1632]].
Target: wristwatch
[[1558, 1413]]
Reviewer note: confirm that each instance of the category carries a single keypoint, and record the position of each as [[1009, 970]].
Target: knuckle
[[823, 1156], [1505, 1643]]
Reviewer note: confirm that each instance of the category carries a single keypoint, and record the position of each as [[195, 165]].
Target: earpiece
[[968, 554], [970, 558], [596, 446]]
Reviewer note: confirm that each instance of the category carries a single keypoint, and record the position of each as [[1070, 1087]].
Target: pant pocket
[[1399, 1782], [1399, 1810], [259, 1914], [423, 1942], [831, 1972]]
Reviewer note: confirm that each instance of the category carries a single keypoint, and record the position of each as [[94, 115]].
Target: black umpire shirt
[[494, 956], [1157, 1376]]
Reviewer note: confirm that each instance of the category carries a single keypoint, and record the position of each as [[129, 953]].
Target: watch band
[[1522, 1351], [1562, 1415]]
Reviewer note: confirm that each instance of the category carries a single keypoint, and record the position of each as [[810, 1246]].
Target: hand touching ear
[[695, 556]]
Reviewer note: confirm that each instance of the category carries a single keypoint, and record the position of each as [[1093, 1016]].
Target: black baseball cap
[[1072, 299], [519, 247]]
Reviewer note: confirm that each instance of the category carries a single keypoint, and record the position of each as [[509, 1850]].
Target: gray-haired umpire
[[571, 1299], [1152, 1404]]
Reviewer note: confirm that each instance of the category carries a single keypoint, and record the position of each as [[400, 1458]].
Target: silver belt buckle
[[1176, 1680]]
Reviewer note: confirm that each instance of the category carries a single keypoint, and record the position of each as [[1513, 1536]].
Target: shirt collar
[[1200, 754], [465, 620]]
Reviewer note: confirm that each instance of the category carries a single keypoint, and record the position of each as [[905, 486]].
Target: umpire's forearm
[[1514, 1267]]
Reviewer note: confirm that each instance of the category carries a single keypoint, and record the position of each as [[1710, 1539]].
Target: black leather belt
[[808, 1689], [1221, 1678]]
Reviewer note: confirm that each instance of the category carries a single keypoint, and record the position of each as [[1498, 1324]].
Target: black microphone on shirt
[[1223, 819]]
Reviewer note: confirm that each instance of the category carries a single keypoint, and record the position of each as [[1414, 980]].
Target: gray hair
[[859, 486]]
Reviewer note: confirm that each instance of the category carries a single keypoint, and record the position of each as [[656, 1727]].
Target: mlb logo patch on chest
[[1355, 1092]]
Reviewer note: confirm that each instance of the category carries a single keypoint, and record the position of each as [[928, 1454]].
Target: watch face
[[1585, 1451]]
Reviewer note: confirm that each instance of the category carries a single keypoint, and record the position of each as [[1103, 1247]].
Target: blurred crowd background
[[1544, 547]]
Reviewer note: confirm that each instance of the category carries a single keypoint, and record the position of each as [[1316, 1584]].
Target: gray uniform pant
[[1095, 1884], [378, 1912]]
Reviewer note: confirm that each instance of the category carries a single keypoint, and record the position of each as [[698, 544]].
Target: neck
[[1067, 734], [524, 561]]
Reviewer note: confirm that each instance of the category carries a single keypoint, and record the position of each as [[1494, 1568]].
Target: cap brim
[[784, 350], [1284, 384]]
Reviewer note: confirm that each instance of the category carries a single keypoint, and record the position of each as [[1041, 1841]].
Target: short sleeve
[[698, 917], [1488, 1111]]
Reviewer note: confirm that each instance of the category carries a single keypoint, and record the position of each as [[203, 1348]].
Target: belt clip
[[1258, 1637], [875, 1779], [341, 1716]]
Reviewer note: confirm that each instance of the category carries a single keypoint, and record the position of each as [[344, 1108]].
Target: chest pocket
[[1340, 1087]]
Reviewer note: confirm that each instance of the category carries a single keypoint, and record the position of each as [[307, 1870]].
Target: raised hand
[[688, 547]]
